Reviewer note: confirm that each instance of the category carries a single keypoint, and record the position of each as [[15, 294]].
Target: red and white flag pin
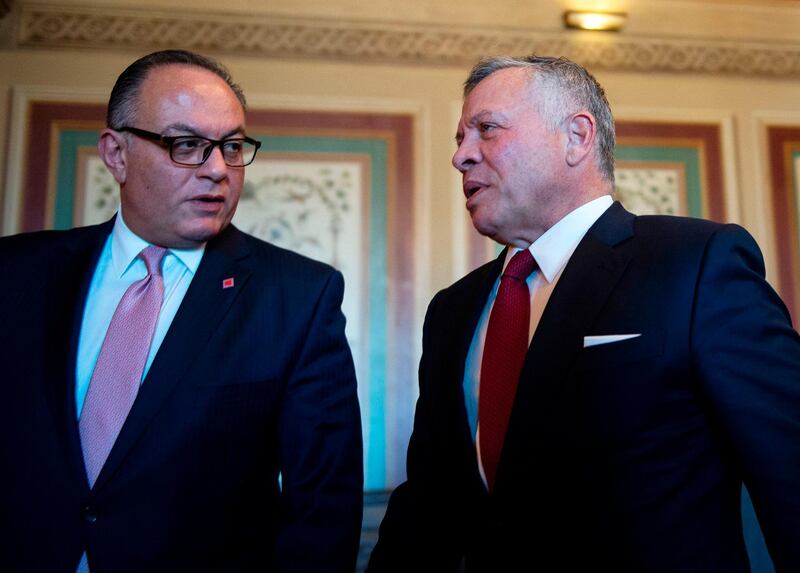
[[227, 283]]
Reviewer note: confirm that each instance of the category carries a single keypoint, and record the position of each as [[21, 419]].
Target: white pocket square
[[606, 339]]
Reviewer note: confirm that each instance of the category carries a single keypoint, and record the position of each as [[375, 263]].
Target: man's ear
[[580, 137], [113, 148]]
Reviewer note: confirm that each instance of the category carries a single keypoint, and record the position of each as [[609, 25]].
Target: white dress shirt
[[552, 252], [118, 267]]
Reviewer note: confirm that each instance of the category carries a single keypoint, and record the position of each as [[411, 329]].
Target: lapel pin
[[227, 283]]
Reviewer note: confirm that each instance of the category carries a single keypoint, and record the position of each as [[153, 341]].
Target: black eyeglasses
[[193, 150]]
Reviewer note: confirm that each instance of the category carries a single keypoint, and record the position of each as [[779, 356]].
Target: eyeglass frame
[[169, 140]]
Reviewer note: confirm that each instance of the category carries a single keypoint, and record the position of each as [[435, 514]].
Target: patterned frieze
[[49, 26]]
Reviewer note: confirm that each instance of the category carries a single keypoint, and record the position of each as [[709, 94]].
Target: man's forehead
[[182, 77], [180, 93], [503, 88], [508, 78], [498, 105]]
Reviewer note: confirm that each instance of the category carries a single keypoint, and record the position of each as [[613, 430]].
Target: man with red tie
[[181, 395], [594, 399]]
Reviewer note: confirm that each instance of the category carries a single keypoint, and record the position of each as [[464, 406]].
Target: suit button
[[89, 515]]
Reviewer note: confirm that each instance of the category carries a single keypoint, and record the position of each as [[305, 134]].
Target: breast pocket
[[615, 386], [647, 346]]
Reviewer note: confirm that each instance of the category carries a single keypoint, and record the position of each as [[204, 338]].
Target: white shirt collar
[[126, 246], [554, 248]]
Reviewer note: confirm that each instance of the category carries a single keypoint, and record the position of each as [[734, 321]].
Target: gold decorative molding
[[47, 26]]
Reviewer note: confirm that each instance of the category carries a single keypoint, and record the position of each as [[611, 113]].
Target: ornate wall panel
[[784, 162], [669, 168]]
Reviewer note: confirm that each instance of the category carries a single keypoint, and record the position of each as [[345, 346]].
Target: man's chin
[[484, 227], [201, 234]]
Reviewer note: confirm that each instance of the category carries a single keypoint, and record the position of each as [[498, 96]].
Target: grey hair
[[122, 104], [569, 87]]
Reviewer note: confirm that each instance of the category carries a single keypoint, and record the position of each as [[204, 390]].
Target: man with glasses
[[181, 395]]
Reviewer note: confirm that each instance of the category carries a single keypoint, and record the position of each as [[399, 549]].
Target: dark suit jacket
[[249, 381], [625, 457]]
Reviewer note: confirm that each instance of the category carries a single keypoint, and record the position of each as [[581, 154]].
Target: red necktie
[[118, 372], [503, 355]]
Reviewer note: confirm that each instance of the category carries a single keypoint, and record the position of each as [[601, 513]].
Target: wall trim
[[52, 26]]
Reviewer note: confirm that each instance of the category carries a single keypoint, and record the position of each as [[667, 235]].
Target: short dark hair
[[122, 104], [574, 87]]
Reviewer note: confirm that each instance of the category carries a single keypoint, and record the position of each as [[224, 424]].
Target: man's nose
[[466, 155], [214, 166]]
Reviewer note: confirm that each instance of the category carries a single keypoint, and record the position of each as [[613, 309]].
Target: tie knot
[[521, 265], [152, 256]]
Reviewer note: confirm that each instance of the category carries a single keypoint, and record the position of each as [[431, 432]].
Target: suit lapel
[[583, 288], [200, 313], [464, 312], [470, 307], [70, 274]]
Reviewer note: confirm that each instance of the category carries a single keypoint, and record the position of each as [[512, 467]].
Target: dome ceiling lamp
[[595, 20]]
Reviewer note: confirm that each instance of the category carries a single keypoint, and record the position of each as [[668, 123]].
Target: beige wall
[[432, 93]]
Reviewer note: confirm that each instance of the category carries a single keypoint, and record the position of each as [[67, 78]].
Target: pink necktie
[[118, 372], [503, 355]]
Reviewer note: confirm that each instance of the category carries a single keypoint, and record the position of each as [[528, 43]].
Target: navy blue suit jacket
[[249, 382], [625, 457]]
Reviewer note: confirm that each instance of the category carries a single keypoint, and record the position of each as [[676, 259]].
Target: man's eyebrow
[[483, 115], [183, 127], [236, 131]]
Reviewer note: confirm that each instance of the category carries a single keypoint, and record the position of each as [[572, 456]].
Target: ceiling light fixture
[[585, 20]]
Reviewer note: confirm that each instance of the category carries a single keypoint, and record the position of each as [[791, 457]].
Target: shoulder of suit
[[654, 227], [40, 243], [684, 229], [274, 255], [681, 240], [676, 222]]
